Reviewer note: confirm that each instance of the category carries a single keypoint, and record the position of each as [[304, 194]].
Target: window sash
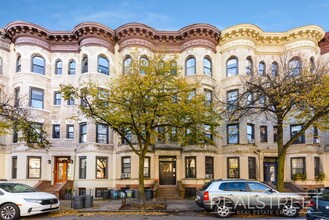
[[57, 98], [70, 131], [209, 166], [37, 97], [34, 167], [298, 165], [147, 167], [14, 167], [71, 68], [233, 134], [56, 131], [102, 134], [101, 167], [233, 167], [263, 133], [190, 167], [126, 165], [82, 167], [83, 133]]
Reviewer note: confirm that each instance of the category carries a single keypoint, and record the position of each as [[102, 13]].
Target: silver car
[[224, 197]]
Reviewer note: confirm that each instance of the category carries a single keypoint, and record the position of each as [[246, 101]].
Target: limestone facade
[[70, 159]]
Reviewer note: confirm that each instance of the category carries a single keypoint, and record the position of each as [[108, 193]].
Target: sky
[[271, 16]]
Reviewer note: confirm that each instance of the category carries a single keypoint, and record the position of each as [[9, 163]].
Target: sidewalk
[[186, 205]]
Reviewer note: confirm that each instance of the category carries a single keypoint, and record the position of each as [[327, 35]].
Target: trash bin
[[77, 202], [105, 194], [88, 201], [114, 194], [129, 193], [122, 195], [135, 193], [148, 194]]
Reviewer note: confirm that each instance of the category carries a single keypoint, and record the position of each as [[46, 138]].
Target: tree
[[151, 99], [14, 117], [287, 92]]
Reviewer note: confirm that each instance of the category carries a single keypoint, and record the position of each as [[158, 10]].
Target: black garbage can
[[77, 202], [88, 201], [135, 193], [105, 194], [148, 194]]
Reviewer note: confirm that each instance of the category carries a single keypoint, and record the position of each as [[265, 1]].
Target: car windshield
[[16, 188]]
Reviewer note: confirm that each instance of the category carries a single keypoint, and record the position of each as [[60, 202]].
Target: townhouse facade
[[34, 62]]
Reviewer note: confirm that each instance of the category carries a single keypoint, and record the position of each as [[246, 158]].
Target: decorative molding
[[261, 38]]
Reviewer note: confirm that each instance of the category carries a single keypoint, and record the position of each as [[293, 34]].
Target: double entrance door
[[167, 166]]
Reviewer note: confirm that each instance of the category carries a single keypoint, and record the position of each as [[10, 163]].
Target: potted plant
[[320, 177], [299, 176]]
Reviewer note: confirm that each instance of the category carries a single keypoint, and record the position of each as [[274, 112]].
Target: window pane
[[233, 134], [207, 67], [34, 166], [82, 167], [101, 170], [103, 65], [37, 98], [233, 168], [232, 67], [38, 65], [190, 66], [72, 68]]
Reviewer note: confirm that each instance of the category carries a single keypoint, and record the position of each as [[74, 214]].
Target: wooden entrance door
[[167, 166], [61, 165]]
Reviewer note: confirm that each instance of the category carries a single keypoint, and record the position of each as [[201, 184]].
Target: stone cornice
[[324, 44], [132, 34], [259, 37], [90, 33], [195, 35]]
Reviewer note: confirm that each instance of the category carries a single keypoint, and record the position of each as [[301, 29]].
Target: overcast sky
[[269, 15]]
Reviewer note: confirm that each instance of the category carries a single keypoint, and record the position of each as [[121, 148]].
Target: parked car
[[21, 200], [224, 197], [319, 206]]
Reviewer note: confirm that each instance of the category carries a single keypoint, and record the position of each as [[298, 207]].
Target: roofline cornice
[[259, 37]]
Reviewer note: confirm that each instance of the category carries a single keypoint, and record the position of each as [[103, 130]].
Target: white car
[[21, 200]]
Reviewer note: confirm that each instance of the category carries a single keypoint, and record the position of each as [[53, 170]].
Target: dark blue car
[[319, 206]]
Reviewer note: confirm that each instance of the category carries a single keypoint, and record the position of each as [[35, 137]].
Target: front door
[[167, 170], [61, 165], [270, 171]]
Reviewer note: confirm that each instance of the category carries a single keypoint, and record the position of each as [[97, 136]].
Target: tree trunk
[[141, 187], [281, 157], [280, 180]]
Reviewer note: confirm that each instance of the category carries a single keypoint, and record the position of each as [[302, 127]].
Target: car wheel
[[290, 210], [9, 211], [222, 210]]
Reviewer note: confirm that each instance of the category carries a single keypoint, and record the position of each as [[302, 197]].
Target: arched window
[[190, 66], [38, 64], [103, 65], [127, 62], [232, 67], [173, 68], [295, 66], [261, 68], [143, 64], [84, 64], [71, 67], [0, 65], [58, 68], [18, 64], [249, 66], [312, 65], [207, 66], [275, 69]]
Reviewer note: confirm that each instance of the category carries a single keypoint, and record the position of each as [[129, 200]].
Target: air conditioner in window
[[208, 176], [316, 140], [125, 175]]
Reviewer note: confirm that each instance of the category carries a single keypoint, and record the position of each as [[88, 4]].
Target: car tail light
[[311, 203], [206, 196]]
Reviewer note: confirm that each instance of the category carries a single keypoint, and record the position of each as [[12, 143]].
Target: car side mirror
[[269, 190], [1, 193]]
